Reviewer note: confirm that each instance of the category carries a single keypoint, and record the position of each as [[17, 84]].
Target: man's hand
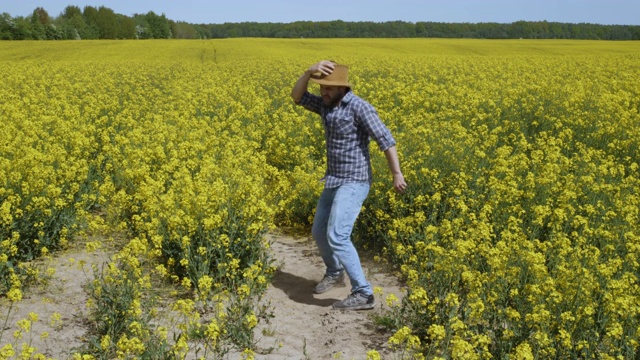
[[325, 67], [394, 165], [398, 183]]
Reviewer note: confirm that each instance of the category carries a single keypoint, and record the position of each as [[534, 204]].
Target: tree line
[[401, 29], [92, 23], [103, 23]]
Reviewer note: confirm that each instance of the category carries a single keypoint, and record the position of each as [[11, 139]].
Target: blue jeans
[[335, 216]]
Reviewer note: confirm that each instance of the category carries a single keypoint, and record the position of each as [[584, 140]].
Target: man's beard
[[332, 101]]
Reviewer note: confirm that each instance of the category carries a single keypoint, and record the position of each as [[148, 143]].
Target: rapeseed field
[[518, 236]]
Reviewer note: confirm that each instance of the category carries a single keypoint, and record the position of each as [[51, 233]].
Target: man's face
[[331, 95]]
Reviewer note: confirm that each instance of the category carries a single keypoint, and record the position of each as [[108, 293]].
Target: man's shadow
[[299, 289]]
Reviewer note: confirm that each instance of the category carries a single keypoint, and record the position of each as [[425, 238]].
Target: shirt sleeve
[[368, 117], [311, 102]]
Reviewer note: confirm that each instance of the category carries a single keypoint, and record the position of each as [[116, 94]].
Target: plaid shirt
[[347, 129]]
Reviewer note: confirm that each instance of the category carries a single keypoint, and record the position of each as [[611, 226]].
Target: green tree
[[41, 16], [107, 23], [71, 23], [555, 30], [39, 20], [203, 31], [183, 30], [22, 29], [158, 25], [42, 27], [6, 27], [126, 27], [520, 29], [91, 30]]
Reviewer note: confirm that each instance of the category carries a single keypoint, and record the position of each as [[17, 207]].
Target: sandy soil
[[59, 303], [304, 327], [305, 323]]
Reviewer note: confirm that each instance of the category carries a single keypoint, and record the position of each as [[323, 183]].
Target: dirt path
[[304, 326], [305, 323]]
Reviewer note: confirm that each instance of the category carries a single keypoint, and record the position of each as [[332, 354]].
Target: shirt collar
[[347, 97]]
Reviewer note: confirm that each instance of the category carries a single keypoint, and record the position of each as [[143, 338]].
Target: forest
[[102, 22]]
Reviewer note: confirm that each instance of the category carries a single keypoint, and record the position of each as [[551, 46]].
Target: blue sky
[[622, 12]]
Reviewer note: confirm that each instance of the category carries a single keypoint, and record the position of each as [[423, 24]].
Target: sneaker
[[356, 301], [329, 282]]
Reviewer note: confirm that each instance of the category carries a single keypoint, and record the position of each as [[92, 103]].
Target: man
[[349, 122]]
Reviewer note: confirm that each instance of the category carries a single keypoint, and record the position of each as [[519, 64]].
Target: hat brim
[[321, 79], [330, 83]]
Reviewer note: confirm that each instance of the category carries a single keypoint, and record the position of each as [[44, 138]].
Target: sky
[[606, 12]]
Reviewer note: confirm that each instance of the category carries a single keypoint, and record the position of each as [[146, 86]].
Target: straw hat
[[339, 77]]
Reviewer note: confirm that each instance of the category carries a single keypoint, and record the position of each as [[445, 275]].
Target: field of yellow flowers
[[518, 236]]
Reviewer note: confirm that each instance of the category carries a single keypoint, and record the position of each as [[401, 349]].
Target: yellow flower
[[251, 321], [7, 351], [212, 331], [92, 246], [186, 283], [522, 352], [205, 283], [461, 349], [373, 355], [243, 291], [55, 320], [78, 356], [436, 332], [248, 354], [33, 316], [392, 300], [161, 270], [14, 295], [27, 351], [129, 346], [105, 342], [419, 296], [25, 325]]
